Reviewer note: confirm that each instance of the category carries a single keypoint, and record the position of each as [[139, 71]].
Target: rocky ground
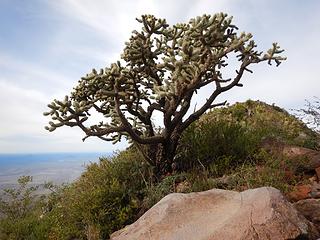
[[262, 213]]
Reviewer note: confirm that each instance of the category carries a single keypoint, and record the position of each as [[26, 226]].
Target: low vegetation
[[223, 149], [21, 213]]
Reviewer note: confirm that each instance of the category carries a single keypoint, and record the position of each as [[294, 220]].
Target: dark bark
[[161, 156]]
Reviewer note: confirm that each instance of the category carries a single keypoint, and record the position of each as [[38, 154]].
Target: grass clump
[[221, 142], [264, 169], [155, 192]]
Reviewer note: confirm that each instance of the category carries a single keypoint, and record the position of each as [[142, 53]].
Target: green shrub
[[267, 121], [227, 137], [21, 213], [105, 198], [208, 142]]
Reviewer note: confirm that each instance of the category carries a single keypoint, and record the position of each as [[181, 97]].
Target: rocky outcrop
[[306, 159], [305, 191], [310, 208], [311, 157], [261, 213]]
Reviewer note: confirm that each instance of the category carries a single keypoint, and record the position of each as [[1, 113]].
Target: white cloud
[[21, 121], [22, 125], [31, 75], [110, 19]]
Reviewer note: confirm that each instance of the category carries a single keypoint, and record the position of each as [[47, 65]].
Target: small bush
[[21, 213], [105, 198], [223, 143]]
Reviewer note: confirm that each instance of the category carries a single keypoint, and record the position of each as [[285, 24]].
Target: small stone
[[315, 190], [300, 192], [313, 179], [318, 173], [315, 187], [315, 194]]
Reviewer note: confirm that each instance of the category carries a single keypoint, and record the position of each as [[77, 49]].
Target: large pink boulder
[[261, 213]]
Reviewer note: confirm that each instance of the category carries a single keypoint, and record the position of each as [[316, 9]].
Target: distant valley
[[55, 167]]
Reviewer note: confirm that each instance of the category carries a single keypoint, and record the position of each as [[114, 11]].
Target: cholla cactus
[[162, 67]]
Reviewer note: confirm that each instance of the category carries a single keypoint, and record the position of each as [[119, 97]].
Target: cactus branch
[[162, 68]]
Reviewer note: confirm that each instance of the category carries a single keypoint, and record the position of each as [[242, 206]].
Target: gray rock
[[261, 213]]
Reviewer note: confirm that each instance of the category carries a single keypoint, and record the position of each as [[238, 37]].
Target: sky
[[47, 45]]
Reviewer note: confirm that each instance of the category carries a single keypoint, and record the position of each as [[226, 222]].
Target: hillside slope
[[224, 149], [267, 121]]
